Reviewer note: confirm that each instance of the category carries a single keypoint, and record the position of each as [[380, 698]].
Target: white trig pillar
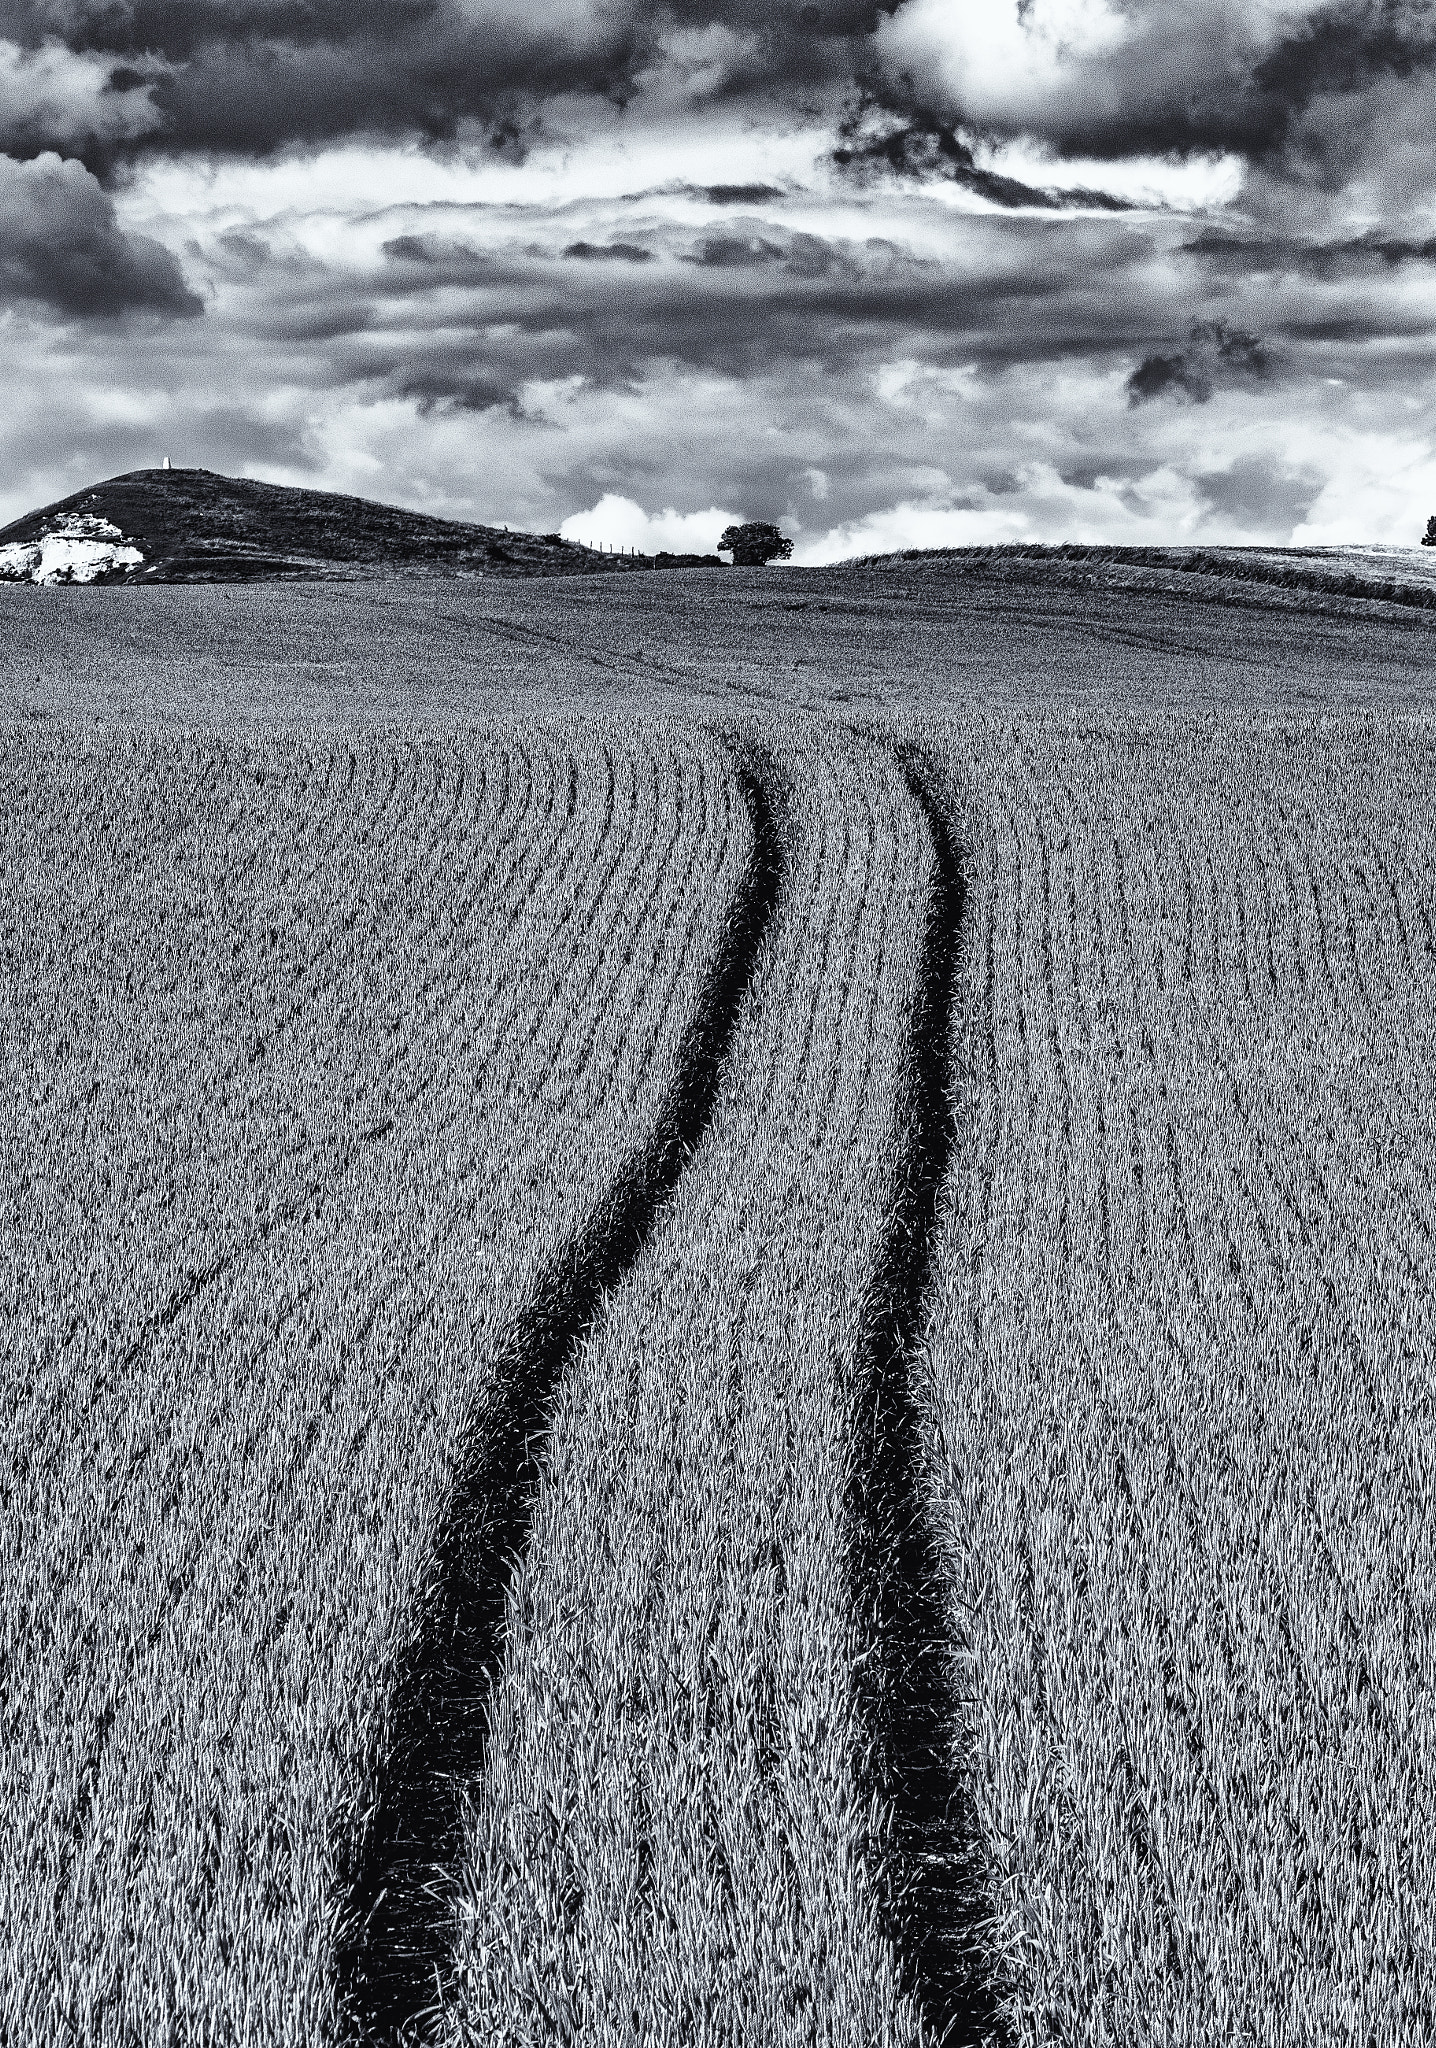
[[167, 462]]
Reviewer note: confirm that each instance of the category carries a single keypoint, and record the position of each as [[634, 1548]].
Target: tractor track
[[932, 1885], [398, 1945]]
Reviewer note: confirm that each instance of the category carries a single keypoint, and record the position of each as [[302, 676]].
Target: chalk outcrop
[[78, 547]]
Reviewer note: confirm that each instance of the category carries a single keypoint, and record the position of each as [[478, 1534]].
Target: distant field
[[718, 1313], [1022, 639]]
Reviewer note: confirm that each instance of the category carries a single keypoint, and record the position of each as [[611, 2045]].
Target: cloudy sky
[[918, 273]]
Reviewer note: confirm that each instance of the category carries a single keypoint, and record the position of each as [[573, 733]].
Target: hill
[[195, 526], [1225, 575]]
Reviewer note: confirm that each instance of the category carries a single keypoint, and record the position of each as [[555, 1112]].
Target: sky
[[924, 273]]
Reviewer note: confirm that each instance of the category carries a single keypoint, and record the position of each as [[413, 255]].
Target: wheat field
[[312, 1114], [726, 1339], [1179, 1381]]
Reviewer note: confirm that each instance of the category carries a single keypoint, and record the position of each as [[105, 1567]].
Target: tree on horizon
[[755, 543]]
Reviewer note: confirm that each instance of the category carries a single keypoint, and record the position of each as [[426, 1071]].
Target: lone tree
[[1428, 538], [754, 544]]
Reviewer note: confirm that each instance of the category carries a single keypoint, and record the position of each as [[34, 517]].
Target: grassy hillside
[[194, 526], [1390, 575]]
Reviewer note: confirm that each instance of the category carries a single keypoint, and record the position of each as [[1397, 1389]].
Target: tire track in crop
[[908, 1705], [675, 1833], [1169, 1451], [287, 1215], [400, 1933], [631, 902]]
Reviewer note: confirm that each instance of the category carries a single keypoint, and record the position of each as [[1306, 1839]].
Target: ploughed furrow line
[[682, 1827], [1176, 1379], [220, 1547], [399, 1923]]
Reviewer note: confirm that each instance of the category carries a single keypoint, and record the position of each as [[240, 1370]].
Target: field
[[1178, 1375], [718, 1313]]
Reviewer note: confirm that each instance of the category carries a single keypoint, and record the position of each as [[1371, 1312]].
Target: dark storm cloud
[[597, 294], [61, 247], [798, 255], [1345, 48], [448, 323], [609, 252], [736, 195], [1215, 354], [456, 386], [421, 263], [927, 149], [252, 76], [248, 76], [444, 258], [247, 251], [1248, 256], [479, 307], [736, 252], [1154, 376]]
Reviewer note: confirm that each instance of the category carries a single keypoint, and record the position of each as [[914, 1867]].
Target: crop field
[[1180, 1386], [318, 1096], [676, 1838], [718, 1316]]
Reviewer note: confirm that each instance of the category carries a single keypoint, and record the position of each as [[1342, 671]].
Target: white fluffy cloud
[[1118, 71], [1383, 488], [1006, 65], [1161, 507], [617, 522]]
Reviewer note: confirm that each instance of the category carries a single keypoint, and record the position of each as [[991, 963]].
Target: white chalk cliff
[[77, 548]]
